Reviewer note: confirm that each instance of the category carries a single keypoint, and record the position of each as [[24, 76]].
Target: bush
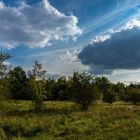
[[133, 95], [109, 97], [36, 85], [119, 89], [4, 90], [18, 84], [82, 89]]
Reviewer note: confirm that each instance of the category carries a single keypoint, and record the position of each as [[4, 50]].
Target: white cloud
[[71, 55], [126, 76], [63, 62], [135, 22], [35, 26], [59, 62], [2, 5], [101, 38], [132, 23]]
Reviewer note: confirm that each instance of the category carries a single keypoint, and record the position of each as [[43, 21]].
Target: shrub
[[119, 89], [133, 95], [109, 97], [36, 85], [18, 84], [82, 89]]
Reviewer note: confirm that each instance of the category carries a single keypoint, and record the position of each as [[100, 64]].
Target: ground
[[65, 121]]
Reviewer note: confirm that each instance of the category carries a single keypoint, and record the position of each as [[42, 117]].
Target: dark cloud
[[121, 51]]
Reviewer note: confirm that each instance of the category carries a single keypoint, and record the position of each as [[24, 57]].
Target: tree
[[18, 84], [109, 96], [82, 89], [37, 84], [133, 95], [4, 69], [50, 86], [119, 89], [4, 89], [59, 89], [102, 84]]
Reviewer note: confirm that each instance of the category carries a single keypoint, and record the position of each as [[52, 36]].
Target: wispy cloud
[[59, 62], [109, 17]]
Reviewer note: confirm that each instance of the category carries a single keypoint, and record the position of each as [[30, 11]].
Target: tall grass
[[65, 121]]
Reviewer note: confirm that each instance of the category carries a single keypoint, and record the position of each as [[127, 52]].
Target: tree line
[[81, 88]]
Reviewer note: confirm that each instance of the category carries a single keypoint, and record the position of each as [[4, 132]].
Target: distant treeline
[[82, 88]]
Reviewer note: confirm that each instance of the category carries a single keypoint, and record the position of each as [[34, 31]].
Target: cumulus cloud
[[71, 55], [120, 50], [35, 26], [1, 5], [57, 63], [100, 38]]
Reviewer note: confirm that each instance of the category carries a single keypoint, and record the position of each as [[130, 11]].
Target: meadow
[[62, 120]]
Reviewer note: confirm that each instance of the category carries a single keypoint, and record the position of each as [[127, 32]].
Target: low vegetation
[[63, 120], [80, 106]]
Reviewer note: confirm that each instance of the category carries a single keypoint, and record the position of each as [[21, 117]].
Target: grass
[[65, 121]]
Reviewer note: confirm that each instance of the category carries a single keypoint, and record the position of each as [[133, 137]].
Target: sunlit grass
[[64, 120]]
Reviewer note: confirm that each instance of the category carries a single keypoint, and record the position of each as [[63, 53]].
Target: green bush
[[133, 95], [82, 90], [109, 97]]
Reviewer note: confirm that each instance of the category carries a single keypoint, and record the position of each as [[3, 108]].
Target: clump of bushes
[[82, 89], [109, 97], [132, 95]]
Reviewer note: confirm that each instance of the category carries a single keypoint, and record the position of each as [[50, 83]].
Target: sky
[[97, 36]]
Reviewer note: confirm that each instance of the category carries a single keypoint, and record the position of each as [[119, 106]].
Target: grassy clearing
[[65, 121]]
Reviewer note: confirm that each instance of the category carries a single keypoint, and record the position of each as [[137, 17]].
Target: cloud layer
[[121, 50], [35, 26]]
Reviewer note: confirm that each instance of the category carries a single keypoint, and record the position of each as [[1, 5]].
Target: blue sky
[[59, 33]]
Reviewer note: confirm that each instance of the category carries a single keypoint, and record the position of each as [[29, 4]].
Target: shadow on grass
[[44, 111]]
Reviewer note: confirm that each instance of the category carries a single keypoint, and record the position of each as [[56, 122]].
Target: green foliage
[[3, 67], [36, 85], [102, 84], [50, 85], [133, 95], [119, 89], [83, 90], [4, 89], [59, 89], [109, 96], [62, 84], [17, 82]]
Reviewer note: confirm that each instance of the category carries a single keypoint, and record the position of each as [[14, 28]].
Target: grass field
[[65, 121]]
